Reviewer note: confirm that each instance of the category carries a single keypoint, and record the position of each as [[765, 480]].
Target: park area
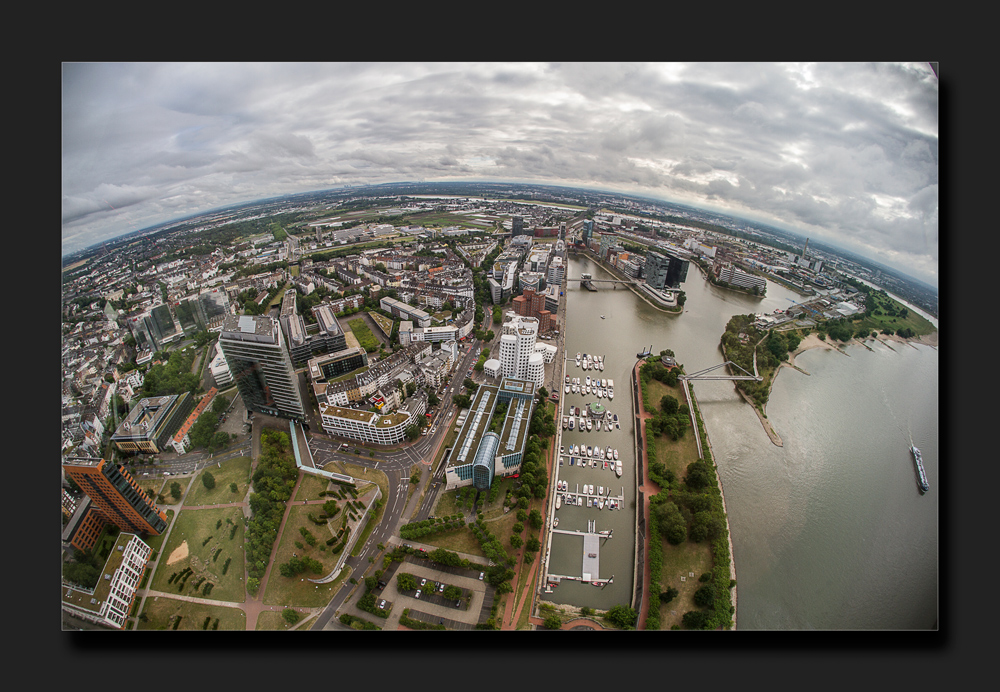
[[204, 556], [221, 478]]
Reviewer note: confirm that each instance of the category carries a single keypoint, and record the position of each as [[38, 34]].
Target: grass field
[[273, 620], [680, 561], [200, 533], [168, 499], [161, 611], [298, 590], [230, 471], [363, 334]]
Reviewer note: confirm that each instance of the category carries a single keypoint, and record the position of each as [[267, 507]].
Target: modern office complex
[[115, 498], [737, 277], [255, 350], [479, 455], [398, 308], [664, 271], [304, 342], [150, 425], [110, 600], [372, 426]]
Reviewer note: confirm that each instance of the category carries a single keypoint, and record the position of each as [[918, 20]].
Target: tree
[[699, 475], [406, 581], [412, 432], [233, 487], [175, 490], [668, 595], [208, 480], [535, 519], [532, 545], [452, 592], [290, 616], [705, 596], [695, 619], [515, 541], [552, 622], [622, 616], [220, 404], [669, 404]]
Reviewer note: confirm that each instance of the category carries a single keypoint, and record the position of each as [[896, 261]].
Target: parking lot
[[431, 608]]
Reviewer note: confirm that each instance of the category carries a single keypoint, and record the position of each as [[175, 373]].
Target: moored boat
[[922, 477]]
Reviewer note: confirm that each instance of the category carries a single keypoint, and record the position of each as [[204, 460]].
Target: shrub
[[208, 480]]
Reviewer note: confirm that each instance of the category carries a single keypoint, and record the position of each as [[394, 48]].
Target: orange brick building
[[115, 498]]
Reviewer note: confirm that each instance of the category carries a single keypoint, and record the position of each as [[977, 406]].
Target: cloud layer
[[843, 152]]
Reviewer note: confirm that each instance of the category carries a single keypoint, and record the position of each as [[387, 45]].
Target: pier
[[591, 558]]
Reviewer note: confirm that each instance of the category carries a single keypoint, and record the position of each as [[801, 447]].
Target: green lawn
[[298, 590], [168, 499], [679, 561], [230, 471], [363, 334], [676, 455], [160, 611], [273, 620], [192, 527]]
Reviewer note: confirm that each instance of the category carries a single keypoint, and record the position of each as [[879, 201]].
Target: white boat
[[566, 389], [609, 452], [602, 317], [611, 394], [618, 469], [558, 501], [571, 419], [600, 503], [590, 490], [587, 381], [589, 425], [601, 366], [600, 490], [615, 453], [565, 422]]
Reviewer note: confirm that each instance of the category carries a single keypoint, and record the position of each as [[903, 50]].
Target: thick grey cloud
[[846, 152]]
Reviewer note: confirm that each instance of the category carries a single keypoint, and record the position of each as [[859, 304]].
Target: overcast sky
[[843, 152]]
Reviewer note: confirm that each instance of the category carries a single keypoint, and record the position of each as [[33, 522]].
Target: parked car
[[423, 581], [381, 604], [440, 588], [418, 594], [481, 575]]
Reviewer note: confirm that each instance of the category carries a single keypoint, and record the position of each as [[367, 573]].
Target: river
[[829, 530]]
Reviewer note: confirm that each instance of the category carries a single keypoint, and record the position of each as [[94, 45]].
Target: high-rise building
[[261, 366], [518, 358], [152, 422], [664, 271], [588, 230], [516, 226], [115, 498]]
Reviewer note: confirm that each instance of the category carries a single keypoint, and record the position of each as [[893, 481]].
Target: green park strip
[[222, 476], [297, 590], [205, 547], [364, 335], [161, 613]]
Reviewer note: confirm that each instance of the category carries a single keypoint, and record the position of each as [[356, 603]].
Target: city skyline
[[842, 152]]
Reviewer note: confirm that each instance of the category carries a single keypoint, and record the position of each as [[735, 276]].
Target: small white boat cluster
[[587, 496]]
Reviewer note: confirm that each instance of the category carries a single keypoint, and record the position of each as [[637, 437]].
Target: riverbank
[[811, 341], [679, 310]]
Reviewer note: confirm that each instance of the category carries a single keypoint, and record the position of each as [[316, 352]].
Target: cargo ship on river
[[922, 480]]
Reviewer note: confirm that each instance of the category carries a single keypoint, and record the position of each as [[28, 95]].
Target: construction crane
[[818, 313]]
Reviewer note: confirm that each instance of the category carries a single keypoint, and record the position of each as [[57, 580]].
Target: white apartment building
[[109, 602], [518, 358], [367, 426]]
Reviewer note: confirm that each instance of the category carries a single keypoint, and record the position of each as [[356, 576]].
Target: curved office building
[[482, 464]]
